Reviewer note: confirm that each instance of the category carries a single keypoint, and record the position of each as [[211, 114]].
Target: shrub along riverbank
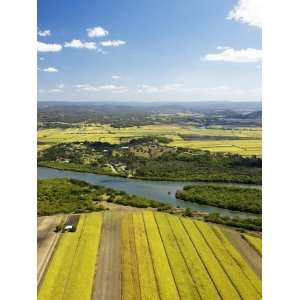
[[63, 195], [241, 199]]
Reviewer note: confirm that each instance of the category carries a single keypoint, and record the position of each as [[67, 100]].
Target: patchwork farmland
[[147, 255]]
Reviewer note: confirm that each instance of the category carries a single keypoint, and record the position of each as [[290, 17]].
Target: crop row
[[71, 270], [178, 258], [255, 242]]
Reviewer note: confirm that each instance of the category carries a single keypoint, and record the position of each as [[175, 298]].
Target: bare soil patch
[[107, 281], [46, 242], [249, 254]]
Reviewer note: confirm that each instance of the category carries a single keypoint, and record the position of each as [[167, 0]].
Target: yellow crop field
[[71, 271], [243, 147], [234, 271], [215, 270], [148, 286], [250, 144], [204, 284], [249, 273], [184, 282], [130, 278], [165, 280], [255, 242]]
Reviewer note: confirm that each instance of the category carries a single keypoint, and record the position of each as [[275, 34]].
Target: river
[[163, 191]]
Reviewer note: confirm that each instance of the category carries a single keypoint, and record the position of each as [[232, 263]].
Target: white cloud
[[42, 58], [54, 91], [97, 31], [115, 77], [247, 11], [50, 70], [44, 33], [113, 43], [161, 88], [222, 47], [60, 86], [110, 87], [248, 55], [43, 47], [80, 45]]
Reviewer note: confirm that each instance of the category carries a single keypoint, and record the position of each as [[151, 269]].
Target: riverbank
[[163, 191], [86, 169]]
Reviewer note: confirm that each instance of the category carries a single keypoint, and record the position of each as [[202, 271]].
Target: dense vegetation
[[249, 223], [149, 158], [242, 199], [63, 195]]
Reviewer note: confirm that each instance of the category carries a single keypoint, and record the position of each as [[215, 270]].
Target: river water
[[163, 191]]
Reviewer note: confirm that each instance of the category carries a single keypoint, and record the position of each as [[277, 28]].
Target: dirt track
[[107, 281], [249, 254], [46, 242]]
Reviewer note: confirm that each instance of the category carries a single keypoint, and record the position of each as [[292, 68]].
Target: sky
[[149, 50]]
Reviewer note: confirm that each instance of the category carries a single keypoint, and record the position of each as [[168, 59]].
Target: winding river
[[163, 191]]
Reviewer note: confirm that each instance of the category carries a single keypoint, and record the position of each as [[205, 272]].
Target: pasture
[[244, 141]]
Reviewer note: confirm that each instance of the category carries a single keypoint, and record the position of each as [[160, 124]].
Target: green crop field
[[244, 141], [178, 258], [71, 270], [255, 242]]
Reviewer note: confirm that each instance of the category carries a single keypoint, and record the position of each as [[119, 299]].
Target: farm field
[[244, 141], [188, 259], [147, 255], [71, 270], [46, 241], [255, 242]]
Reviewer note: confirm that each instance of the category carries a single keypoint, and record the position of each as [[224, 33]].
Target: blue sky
[[149, 50]]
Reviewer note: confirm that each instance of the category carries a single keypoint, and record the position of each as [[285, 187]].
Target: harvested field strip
[[215, 270], [148, 285], [185, 284], [233, 270], [72, 220], [255, 242], [204, 284], [71, 270], [166, 284], [249, 273], [130, 280], [80, 282], [54, 282]]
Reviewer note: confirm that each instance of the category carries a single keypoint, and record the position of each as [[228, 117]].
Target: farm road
[[46, 241], [107, 281]]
